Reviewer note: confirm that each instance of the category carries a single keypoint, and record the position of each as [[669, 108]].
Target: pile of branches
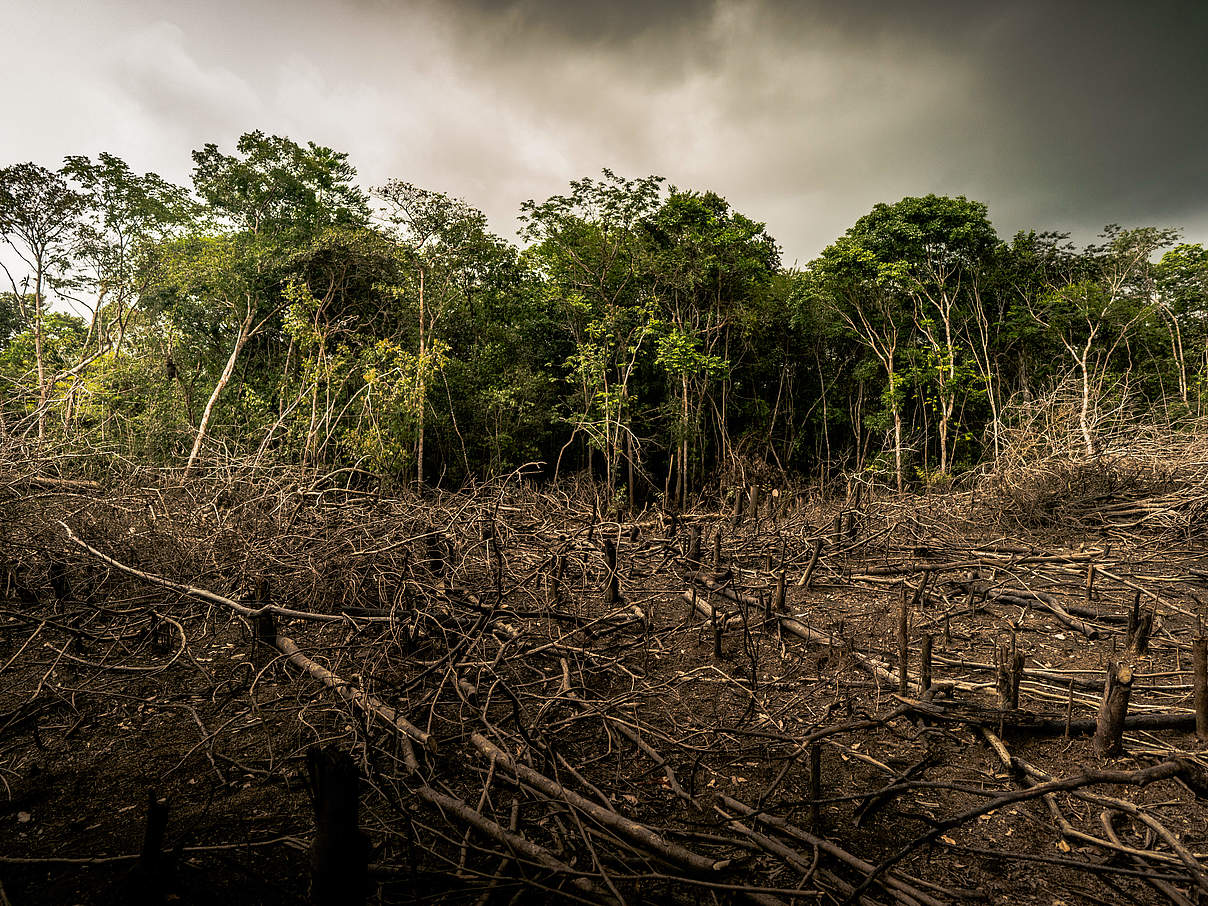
[[537, 700], [1148, 471]]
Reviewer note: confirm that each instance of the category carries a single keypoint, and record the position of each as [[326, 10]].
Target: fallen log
[[203, 594], [1025, 597], [518, 846], [1029, 724], [1177, 767], [636, 833]]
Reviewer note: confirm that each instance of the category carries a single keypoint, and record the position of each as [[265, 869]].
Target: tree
[[1182, 287], [707, 265], [935, 250], [124, 215], [270, 196], [867, 294], [447, 245], [39, 220], [1092, 318], [590, 250], [336, 303]]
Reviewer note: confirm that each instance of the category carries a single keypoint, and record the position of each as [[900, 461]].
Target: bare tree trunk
[[1176, 343], [1084, 417], [629, 461], [423, 401], [240, 341], [897, 444], [943, 439], [683, 473], [897, 422], [312, 428], [992, 395], [38, 349]]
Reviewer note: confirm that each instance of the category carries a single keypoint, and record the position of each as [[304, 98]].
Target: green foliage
[[643, 330]]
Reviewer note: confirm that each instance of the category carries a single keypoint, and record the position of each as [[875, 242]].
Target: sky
[[1061, 114]]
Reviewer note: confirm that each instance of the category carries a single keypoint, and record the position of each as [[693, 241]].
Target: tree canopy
[[644, 332]]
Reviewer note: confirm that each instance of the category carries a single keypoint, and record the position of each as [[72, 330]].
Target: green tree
[[590, 249], [1093, 318], [446, 247], [39, 221], [1182, 287], [267, 198], [708, 266]]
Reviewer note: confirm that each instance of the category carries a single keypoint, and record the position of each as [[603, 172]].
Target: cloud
[[803, 114], [154, 71]]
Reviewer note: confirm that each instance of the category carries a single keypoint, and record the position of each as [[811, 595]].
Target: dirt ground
[[678, 775]]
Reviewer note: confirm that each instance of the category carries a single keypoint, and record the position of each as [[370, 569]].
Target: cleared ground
[[522, 735]]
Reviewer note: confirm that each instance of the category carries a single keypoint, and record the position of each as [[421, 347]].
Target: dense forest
[[276, 312]]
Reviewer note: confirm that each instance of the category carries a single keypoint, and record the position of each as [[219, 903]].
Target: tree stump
[[925, 664], [693, 555], [903, 645], [1199, 649], [612, 594], [1113, 709], [339, 855], [809, 569]]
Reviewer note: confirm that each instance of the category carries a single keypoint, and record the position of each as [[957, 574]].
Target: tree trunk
[[897, 444], [244, 333], [629, 463], [1084, 414], [1113, 710], [895, 404], [38, 348], [683, 495], [423, 402]]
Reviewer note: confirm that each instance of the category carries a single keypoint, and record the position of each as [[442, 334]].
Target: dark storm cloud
[[1061, 115], [1066, 115]]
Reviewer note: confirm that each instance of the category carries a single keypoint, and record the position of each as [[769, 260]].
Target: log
[[638, 834], [370, 704], [904, 645], [519, 846], [612, 593], [925, 664], [149, 876], [693, 555], [808, 575], [815, 785], [367, 703], [1026, 596], [1027, 724]]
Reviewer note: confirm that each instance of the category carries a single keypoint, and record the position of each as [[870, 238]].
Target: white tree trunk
[[423, 389], [224, 379]]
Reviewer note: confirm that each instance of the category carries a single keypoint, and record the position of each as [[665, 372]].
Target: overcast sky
[[1058, 114]]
